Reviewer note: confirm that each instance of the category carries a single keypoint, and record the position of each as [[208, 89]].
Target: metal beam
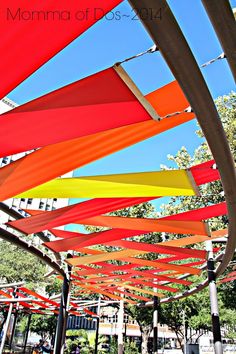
[[97, 327], [213, 300], [63, 313], [20, 299], [187, 293], [171, 42], [11, 285], [223, 21], [5, 328], [16, 215], [155, 324], [27, 332]]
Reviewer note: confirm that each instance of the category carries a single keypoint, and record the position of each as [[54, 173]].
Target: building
[[23, 203]]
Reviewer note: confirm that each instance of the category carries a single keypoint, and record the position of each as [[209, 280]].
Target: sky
[[109, 41]]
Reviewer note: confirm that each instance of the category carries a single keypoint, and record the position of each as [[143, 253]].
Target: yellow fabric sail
[[144, 184]]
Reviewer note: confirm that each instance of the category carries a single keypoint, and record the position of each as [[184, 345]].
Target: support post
[[97, 327], [15, 319], [213, 300], [63, 314], [27, 332], [13, 327], [120, 327], [185, 339], [155, 324], [5, 328]]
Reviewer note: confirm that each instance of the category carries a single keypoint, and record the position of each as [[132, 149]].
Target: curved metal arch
[[171, 42], [9, 237], [16, 215], [189, 292], [223, 21]]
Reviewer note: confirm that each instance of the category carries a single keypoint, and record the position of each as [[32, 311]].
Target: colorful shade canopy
[[41, 304], [82, 108], [55, 160], [73, 240], [97, 290], [189, 227], [51, 25], [130, 269], [79, 124], [204, 213], [110, 238], [205, 172], [146, 184], [127, 254], [62, 216], [162, 183]]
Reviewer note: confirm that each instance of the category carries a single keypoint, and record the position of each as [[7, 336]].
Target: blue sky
[[109, 41]]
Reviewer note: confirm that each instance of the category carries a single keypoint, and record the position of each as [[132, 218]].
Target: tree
[[213, 191], [18, 265], [144, 318], [196, 307], [43, 325]]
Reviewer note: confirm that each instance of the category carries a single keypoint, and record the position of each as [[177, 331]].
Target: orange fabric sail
[[153, 225], [55, 160], [66, 215]]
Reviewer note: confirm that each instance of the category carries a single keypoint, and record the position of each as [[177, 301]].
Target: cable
[[151, 50], [221, 56]]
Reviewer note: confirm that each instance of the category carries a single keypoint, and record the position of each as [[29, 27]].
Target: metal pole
[[185, 341], [27, 332], [11, 285], [5, 328], [213, 300], [120, 327], [155, 324], [13, 328], [15, 318], [97, 328], [125, 333], [63, 314]]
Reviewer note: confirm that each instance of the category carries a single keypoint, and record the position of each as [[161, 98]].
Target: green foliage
[[53, 287], [44, 326], [84, 340], [130, 347], [18, 265], [197, 307]]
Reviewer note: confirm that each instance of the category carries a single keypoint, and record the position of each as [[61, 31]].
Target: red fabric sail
[[82, 108], [66, 215], [205, 172], [200, 214], [65, 234], [57, 159], [158, 248], [94, 207], [32, 32], [149, 274], [95, 238], [33, 293], [109, 238]]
